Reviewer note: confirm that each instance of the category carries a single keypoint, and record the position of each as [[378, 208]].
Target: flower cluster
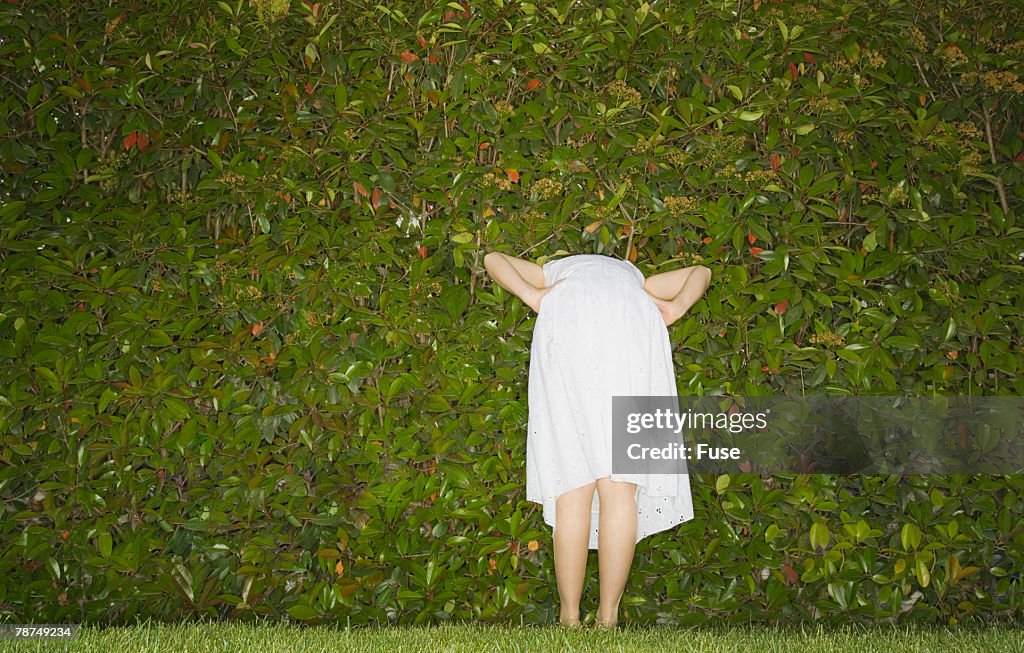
[[967, 129], [970, 161], [232, 179], [623, 92], [916, 38], [491, 180], [760, 175], [948, 290], [843, 136], [223, 269], [642, 147], [677, 156], [720, 147], [1002, 80], [951, 54], [182, 198], [729, 170], [269, 11], [689, 258], [248, 292], [808, 11], [875, 59], [313, 319], [967, 135], [680, 206], [896, 195], [112, 165], [547, 188], [841, 65], [484, 68], [828, 339], [1012, 49], [504, 107], [820, 103], [530, 216], [577, 143]]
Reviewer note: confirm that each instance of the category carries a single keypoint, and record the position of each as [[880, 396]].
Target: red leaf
[[706, 78], [423, 41], [781, 307], [129, 140], [143, 140], [484, 145], [359, 189], [409, 57], [776, 161], [756, 250], [433, 58], [808, 57], [790, 573], [651, 166], [793, 70], [751, 238], [257, 328], [1019, 157], [532, 84], [423, 251], [377, 195], [309, 88], [513, 174]]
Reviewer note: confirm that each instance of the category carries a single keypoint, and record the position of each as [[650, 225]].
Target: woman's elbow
[[706, 271], [490, 258]]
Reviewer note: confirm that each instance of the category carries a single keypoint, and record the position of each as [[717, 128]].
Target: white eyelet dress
[[597, 334]]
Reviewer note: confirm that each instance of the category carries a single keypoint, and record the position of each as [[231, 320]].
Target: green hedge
[[250, 363]]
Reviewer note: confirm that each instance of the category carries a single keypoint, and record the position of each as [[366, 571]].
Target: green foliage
[[251, 364]]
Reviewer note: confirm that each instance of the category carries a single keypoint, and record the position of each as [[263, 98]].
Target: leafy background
[[251, 364]]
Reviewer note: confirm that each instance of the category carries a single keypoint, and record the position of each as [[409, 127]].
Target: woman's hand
[[535, 301], [669, 310]]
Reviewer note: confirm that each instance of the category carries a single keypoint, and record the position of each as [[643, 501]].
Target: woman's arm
[[675, 291], [524, 279]]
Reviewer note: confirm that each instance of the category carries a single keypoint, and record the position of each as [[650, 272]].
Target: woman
[[602, 332]]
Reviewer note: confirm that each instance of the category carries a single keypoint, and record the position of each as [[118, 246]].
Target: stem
[[998, 181]]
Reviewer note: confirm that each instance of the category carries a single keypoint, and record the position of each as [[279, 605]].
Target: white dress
[[597, 334]]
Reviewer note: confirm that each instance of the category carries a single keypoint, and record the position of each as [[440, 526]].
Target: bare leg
[[571, 538], [616, 544]]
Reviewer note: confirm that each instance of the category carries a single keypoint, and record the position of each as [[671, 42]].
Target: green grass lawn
[[290, 638]]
